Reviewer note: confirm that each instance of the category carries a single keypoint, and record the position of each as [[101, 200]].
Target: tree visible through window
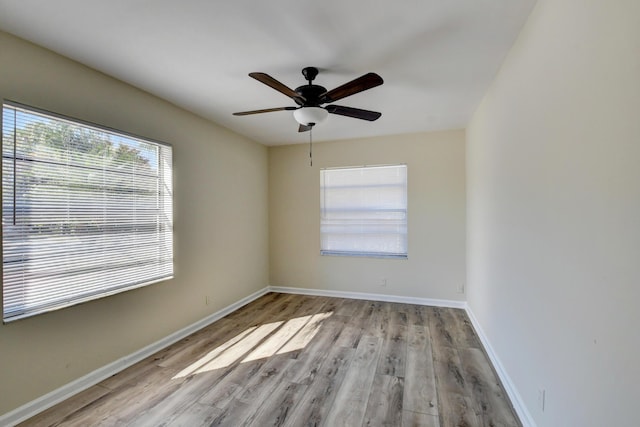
[[86, 212], [363, 211]]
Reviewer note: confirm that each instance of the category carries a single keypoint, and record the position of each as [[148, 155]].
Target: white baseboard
[[372, 297], [510, 388], [42, 403]]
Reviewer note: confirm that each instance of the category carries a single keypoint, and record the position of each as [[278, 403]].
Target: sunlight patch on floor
[[258, 342], [212, 354], [306, 334], [277, 340]]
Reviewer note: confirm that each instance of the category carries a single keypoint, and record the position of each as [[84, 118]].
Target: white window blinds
[[363, 211], [86, 212]]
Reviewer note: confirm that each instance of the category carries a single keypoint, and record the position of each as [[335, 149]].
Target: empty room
[[297, 213]]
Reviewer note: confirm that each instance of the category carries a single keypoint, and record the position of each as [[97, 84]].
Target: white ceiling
[[437, 57]]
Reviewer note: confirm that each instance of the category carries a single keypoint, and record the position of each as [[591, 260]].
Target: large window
[[86, 212], [363, 211]]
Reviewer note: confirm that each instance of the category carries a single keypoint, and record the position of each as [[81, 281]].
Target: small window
[[86, 212], [363, 211]]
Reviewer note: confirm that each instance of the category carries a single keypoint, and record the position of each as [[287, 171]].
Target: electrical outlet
[[207, 300], [383, 282], [461, 288], [542, 394]]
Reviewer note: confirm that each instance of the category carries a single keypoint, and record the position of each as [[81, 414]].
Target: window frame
[[360, 253], [162, 197]]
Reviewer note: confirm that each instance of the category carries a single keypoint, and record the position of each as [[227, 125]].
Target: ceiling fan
[[310, 98]]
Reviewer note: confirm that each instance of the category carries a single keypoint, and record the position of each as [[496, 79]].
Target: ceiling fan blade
[[266, 110], [360, 84], [356, 113], [304, 128], [273, 83]]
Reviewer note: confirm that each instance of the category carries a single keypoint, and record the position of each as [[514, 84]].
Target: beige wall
[[436, 187], [553, 182], [221, 227]]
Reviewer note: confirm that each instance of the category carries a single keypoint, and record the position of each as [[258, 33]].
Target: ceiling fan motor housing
[[311, 93]]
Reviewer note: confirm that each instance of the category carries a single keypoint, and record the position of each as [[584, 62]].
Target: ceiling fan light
[[309, 116]]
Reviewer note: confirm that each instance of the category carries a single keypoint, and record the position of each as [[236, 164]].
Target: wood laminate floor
[[291, 360]]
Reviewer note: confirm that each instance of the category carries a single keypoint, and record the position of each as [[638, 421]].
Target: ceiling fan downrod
[[309, 74]]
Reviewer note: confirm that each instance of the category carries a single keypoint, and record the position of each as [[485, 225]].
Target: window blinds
[[86, 212], [363, 211]]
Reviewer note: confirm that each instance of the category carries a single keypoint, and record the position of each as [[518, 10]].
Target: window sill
[[363, 254]]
